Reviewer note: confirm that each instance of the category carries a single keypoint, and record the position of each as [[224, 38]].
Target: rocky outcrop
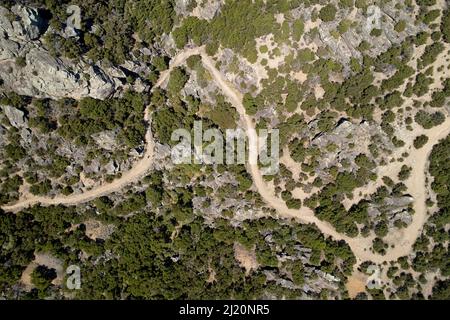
[[106, 139], [394, 209], [206, 10], [40, 74], [345, 46], [349, 140], [22, 23], [111, 168], [2, 136], [238, 70], [15, 116], [45, 76]]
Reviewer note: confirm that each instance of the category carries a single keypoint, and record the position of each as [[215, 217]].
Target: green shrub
[[400, 26], [327, 13], [42, 277], [21, 62], [376, 32], [431, 15], [445, 25], [430, 54], [177, 80], [420, 141], [405, 172], [429, 120], [250, 104]]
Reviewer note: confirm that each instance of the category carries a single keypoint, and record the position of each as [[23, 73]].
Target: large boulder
[[15, 116], [45, 76], [9, 49], [22, 22]]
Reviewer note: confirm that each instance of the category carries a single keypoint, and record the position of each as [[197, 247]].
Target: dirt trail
[[359, 245], [139, 169], [45, 259], [417, 188], [305, 215]]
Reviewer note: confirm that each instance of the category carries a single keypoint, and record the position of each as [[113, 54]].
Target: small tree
[[420, 141], [327, 13], [21, 62], [405, 172], [177, 80], [400, 26], [42, 277], [249, 104]]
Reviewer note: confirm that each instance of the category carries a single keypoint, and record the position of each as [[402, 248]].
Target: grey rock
[[327, 276], [404, 216], [93, 167], [206, 10], [100, 85], [350, 139], [111, 167], [9, 49], [135, 67], [2, 136], [340, 46], [393, 208], [200, 90], [5, 21], [210, 9], [22, 23], [70, 32], [139, 86], [115, 72], [45, 76], [106, 139], [15, 116], [162, 155], [399, 202], [373, 212], [344, 47], [247, 72], [70, 150], [26, 136], [31, 24]]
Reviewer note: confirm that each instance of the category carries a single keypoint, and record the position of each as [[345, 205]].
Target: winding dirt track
[[359, 245], [138, 171]]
